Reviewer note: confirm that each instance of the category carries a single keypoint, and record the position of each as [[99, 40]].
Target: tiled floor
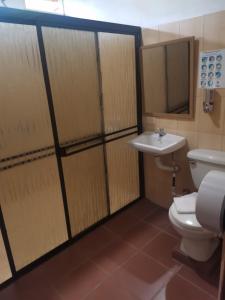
[[128, 257]]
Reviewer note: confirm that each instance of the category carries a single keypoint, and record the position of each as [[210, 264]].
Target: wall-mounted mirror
[[167, 70]]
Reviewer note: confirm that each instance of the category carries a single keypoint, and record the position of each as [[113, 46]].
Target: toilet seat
[[188, 221]]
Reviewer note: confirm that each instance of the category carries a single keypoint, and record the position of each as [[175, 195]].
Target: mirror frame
[[190, 115]]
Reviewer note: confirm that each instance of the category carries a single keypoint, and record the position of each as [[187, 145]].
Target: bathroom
[[90, 194]]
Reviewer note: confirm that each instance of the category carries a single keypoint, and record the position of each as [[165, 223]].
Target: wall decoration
[[212, 69]]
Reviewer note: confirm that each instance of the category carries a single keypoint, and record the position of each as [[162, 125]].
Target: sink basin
[[154, 144]]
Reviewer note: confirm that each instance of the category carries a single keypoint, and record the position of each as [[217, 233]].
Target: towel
[[186, 204]]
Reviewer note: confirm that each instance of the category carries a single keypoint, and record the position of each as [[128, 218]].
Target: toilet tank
[[202, 161]]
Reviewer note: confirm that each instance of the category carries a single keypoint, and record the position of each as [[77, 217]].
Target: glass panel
[[33, 209], [72, 65], [24, 115], [177, 56], [117, 60], [123, 173], [154, 79], [85, 187]]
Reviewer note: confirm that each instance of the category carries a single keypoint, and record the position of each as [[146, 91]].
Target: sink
[[154, 144]]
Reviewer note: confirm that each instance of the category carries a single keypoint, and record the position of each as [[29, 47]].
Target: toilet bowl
[[197, 242]]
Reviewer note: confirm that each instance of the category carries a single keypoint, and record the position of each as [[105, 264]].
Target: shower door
[[31, 200], [93, 84], [119, 97], [68, 107], [72, 65]]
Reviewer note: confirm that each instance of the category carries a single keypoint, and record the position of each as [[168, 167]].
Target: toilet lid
[[188, 221]]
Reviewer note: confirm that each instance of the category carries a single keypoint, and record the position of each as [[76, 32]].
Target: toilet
[[197, 242]]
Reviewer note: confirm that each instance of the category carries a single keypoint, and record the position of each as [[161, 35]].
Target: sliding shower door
[[30, 198], [24, 116], [117, 61], [118, 71], [33, 209], [4, 264], [68, 107], [72, 64]]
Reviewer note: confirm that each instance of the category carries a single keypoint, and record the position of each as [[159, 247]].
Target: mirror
[[167, 70]]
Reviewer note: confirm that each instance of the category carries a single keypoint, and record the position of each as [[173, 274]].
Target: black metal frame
[[39, 20]]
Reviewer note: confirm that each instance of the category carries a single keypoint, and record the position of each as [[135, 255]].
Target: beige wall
[[205, 130]]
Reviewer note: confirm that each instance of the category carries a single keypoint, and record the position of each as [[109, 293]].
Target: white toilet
[[197, 242]]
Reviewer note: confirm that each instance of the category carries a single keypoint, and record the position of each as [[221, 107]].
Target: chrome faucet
[[161, 132]]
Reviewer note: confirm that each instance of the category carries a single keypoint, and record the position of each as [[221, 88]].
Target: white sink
[[154, 144]]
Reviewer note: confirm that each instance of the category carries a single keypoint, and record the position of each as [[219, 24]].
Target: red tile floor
[[129, 257]]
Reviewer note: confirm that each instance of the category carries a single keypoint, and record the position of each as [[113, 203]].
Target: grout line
[[157, 261], [96, 287], [161, 229]]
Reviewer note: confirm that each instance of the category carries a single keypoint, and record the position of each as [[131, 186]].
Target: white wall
[[145, 13], [13, 3]]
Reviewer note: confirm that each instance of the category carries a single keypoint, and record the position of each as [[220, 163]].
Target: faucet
[[161, 132]]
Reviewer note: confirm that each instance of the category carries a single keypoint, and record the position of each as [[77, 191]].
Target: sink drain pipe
[[172, 169]]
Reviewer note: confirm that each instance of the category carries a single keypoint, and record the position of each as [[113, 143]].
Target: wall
[[205, 130], [13, 3], [145, 13]]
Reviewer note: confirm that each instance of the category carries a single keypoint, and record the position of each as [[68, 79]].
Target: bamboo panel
[[85, 188], [123, 173], [33, 209], [5, 272], [117, 60], [72, 65], [24, 116]]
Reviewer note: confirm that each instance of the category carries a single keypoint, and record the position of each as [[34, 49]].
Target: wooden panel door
[[24, 115], [85, 185], [33, 210], [5, 272], [123, 173], [72, 65], [117, 62]]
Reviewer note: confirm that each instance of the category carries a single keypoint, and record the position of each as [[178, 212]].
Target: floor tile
[[161, 247], [160, 219], [142, 208], [140, 278], [192, 276], [143, 278], [140, 234], [114, 255], [122, 222], [96, 240], [30, 286], [13, 293], [128, 258], [111, 290], [62, 264], [71, 258], [178, 289], [81, 282]]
